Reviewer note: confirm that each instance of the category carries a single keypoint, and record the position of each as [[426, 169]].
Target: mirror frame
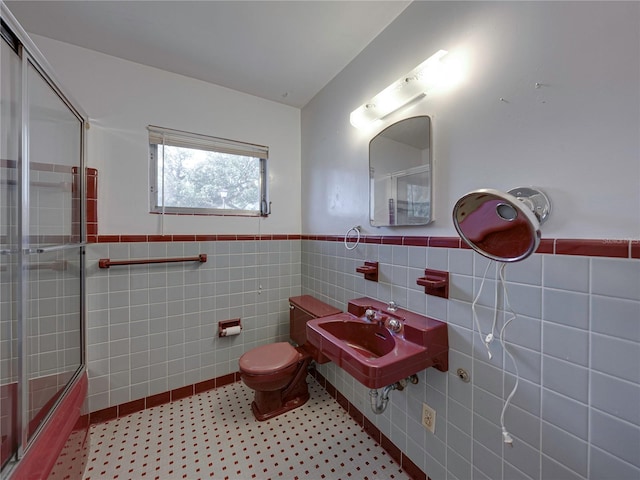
[[426, 167]]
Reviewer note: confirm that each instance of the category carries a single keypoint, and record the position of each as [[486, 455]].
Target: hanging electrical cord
[[355, 229], [486, 340], [505, 434], [532, 207]]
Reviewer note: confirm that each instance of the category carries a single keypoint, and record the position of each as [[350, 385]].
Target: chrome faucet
[[393, 306], [373, 317], [394, 325]]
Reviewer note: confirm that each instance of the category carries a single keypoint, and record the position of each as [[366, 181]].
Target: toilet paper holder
[[225, 325]]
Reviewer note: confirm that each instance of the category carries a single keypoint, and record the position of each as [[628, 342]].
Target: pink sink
[[368, 339], [370, 352]]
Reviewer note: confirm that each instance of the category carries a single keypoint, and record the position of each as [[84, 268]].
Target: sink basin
[[368, 339], [370, 352]]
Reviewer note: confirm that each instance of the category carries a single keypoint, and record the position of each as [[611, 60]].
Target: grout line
[[542, 362], [590, 362]]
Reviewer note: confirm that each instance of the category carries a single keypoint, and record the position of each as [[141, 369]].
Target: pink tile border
[[547, 245], [415, 241], [391, 240], [593, 248], [559, 246], [444, 242], [136, 238], [583, 247], [133, 406]]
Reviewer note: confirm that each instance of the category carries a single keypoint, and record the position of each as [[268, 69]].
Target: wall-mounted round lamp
[[502, 226]]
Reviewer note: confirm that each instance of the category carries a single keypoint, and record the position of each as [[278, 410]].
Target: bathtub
[[63, 441]]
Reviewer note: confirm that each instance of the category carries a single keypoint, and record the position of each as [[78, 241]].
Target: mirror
[[502, 226], [400, 174]]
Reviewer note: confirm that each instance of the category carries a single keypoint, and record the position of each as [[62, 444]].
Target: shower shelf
[[106, 262]]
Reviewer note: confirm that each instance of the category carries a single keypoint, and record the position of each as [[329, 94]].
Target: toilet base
[[269, 404], [285, 407]]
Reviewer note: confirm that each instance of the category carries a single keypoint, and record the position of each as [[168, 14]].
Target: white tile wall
[[54, 333], [153, 328], [576, 340], [576, 414]]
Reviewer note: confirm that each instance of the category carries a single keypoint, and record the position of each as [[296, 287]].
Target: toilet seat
[[269, 359]]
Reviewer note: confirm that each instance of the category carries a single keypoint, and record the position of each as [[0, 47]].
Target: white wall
[[122, 98], [576, 136]]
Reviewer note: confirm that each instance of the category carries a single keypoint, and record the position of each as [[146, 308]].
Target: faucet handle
[[394, 325], [393, 306], [370, 314]]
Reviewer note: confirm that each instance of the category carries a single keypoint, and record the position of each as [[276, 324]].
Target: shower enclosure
[[41, 251]]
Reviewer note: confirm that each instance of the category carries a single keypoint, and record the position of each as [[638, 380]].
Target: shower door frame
[[29, 54]]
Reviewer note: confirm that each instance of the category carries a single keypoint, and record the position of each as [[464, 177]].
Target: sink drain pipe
[[379, 402]]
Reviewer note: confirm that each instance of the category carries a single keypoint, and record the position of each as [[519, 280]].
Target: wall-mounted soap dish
[[370, 270], [435, 282]]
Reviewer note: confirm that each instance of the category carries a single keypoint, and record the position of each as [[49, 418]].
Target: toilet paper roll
[[227, 332]]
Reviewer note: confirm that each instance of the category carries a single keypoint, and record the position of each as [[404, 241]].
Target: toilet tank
[[301, 310]]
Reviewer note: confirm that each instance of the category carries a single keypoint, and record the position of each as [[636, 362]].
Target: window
[[199, 174]]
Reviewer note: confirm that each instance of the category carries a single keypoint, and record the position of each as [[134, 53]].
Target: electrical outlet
[[428, 418]]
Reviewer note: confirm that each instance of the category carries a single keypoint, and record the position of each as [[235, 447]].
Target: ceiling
[[285, 51]]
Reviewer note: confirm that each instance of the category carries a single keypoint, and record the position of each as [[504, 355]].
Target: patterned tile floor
[[214, 435]]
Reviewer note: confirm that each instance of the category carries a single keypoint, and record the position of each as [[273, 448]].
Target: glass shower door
[[41, 249], [10, 75], [54, 261]]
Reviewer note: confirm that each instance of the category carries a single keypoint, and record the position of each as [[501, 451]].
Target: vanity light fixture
[[406, 89]]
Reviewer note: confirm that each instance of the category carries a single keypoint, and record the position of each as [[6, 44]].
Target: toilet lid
[[269, 358]]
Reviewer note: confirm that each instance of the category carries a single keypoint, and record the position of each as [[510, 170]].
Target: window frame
[[159, 136]]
